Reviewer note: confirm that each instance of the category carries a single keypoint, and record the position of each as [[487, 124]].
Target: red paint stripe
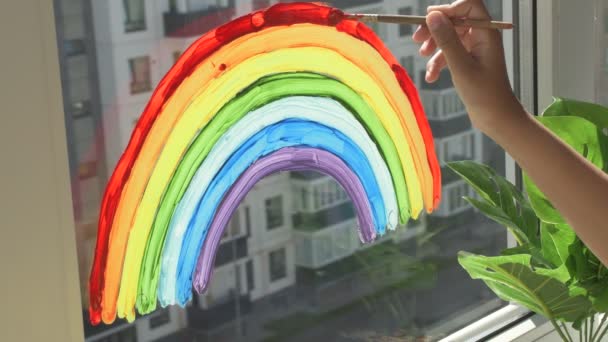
[[278, 15]]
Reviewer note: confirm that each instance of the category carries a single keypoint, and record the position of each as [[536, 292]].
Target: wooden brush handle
[[421, 20]]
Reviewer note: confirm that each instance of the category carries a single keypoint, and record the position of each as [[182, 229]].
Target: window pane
[[311, 277], [405, 30], [278, 265], [140, 74], [274, 212], [135, 15]]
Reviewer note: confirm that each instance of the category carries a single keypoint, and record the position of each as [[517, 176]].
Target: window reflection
[[290, 265]]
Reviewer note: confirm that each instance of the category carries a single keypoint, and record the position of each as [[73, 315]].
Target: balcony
[[317, 248], [312, 222], [453, 202], [442, 104], [195, 23]]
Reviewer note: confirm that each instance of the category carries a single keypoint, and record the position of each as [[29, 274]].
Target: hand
[[476, 61]]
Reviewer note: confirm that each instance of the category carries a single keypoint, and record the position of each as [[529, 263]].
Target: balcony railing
[[196, 23], [316, 249], [452, 202], [442, 104]]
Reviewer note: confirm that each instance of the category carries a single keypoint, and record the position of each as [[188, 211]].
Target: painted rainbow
[[292, 87]]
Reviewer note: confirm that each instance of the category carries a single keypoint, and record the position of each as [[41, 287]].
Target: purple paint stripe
[[285, 159]]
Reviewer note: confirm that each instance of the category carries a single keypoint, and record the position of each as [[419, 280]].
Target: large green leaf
[[536, 254], [600, 300], [590, 111], [556, 241], [582, 135], [500, 200], [561, 274], [512, 279]]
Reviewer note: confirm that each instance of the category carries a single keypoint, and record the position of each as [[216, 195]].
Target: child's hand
[[476, 60], [475, 57]]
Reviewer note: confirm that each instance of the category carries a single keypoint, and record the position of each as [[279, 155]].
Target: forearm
[[577, 189]]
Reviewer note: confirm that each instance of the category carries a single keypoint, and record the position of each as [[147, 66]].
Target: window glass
[[408, 63], [234, 227], [405, 30], [140, 74], [135, 15], [274, 212], [329, 286], [277, 264], [176, 55]]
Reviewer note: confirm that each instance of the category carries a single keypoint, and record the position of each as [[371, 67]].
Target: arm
[[475, 58]]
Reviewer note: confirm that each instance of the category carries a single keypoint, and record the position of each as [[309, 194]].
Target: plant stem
[[599, 327], [559, 331], [580, 335], [567, 332], [591, 321], [599, 338], [585, 327]]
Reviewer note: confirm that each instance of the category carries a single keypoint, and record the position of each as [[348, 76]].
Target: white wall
[[40, 291]]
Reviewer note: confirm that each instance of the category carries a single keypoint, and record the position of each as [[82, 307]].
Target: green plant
[[550, 271]]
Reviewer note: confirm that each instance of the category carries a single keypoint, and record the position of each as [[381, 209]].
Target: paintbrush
[[421, 20]]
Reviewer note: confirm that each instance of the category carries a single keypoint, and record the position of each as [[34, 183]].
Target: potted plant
[[550, 271]]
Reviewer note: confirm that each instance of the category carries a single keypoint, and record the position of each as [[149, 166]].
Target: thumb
[[447, 39]]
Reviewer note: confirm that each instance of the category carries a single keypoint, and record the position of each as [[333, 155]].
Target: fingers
[[434, 67], [422, 34], [474, 9], [428, 47], [447, 39]]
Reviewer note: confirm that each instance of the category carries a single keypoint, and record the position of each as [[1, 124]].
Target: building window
[[456, 200], [379, 29], [233, 229], [278, 264], [176, 55], [304, 199], [172, 6], [259, 4], [135, 15], [140, 74], [408, 64], [405, 30], [274, 212], [159, 318], [248, 221], [461, 147], [249, 271]]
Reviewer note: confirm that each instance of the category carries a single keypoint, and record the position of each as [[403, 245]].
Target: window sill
[[496, 321]]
